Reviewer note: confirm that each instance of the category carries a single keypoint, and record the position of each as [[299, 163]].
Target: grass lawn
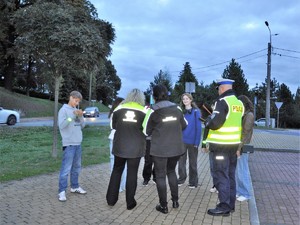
[[26, 151]]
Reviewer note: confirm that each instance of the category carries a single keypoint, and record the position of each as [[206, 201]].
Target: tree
[[186, 75], [163, 77], [63, 36], [288, 113], [233, 71], [108, 83]]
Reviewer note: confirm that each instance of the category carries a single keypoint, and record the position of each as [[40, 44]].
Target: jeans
[[193, 172], [148, 166], [242, 177], [71, 164], [223, 172], [112, 194], [166, 167], [124, 174]]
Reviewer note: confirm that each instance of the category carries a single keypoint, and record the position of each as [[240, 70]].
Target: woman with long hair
[[191, 138], [129, 146], [242, 175]]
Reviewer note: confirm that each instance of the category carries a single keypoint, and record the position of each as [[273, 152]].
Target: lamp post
[[268, 77]]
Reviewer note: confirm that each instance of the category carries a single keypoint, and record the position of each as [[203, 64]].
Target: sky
[[154, 35]]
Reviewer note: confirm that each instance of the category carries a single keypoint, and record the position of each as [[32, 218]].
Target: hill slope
[[33, 107]]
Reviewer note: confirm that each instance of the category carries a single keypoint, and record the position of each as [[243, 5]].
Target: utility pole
[[268, 78]]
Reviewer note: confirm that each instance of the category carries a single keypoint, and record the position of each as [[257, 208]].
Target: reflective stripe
[[225, 136], [229, 129]]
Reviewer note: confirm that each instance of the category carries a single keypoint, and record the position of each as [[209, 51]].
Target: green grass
[[35, 107], [26, 151]]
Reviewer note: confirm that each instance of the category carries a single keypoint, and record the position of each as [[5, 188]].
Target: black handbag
[[248, 148]]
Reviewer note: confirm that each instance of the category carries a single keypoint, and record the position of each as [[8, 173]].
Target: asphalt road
[[102, 120]]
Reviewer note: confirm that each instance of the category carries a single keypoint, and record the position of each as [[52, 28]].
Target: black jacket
[[165, 125], [129, 140]]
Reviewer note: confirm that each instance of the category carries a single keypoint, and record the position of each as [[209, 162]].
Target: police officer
[[222, 136]]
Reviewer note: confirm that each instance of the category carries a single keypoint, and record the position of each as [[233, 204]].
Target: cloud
[[158, 34]]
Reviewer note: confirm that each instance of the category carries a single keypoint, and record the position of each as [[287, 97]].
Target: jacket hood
[[162, 104]]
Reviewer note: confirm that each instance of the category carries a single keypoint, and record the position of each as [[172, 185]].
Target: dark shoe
[[130, 207], [232, 210], [145, 183], [162, 209], [218, 212], [175, 204]]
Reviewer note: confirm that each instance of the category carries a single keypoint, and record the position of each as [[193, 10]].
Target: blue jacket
[[192, 133]]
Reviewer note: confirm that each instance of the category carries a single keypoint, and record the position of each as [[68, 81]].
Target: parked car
[[91, 112], [260, 122], [10, 117]]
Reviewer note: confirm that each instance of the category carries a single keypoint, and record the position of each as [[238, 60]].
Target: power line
[[286, 55], [230, 60], [287, 50]]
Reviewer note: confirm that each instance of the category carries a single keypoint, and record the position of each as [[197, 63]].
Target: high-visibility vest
[[230, 132]]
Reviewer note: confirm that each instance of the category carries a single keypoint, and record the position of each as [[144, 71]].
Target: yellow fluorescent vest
[[230, 132]]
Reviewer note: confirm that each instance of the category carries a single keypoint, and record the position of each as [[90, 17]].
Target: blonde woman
[[129, 146]]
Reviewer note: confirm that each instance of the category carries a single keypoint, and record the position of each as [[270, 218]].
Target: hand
[[78, 112], [238, 153], [205, 150]]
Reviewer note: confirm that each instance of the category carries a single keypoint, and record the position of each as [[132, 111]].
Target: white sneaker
[[78, 190], [242, 198], [62, 196], [213, 190]]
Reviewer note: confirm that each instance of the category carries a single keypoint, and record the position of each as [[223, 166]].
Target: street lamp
[[268, 77]]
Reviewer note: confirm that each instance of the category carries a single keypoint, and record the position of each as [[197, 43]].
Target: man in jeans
[[70, 122]]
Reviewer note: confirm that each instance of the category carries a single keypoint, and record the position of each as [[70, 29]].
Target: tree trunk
[[55, 119], [9, 73], [28, 78]]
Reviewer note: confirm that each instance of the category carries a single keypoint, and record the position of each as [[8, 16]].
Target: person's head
[[247, 103], [75, 98], [224, 85], [187, 101], [160, 93], [115, 104], [135, 95]]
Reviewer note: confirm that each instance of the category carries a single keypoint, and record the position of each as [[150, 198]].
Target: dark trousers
[[148, 166], [192, 152], [112, 194], [223, 168], [165, 167]]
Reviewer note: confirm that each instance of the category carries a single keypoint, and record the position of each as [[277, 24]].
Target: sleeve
[[63, 119], [198, 127], [248, 123], [147, 128], [218, 117]]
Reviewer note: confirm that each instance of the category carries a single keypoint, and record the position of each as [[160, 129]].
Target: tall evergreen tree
[[186, 75], [163, 77], [234, 71]]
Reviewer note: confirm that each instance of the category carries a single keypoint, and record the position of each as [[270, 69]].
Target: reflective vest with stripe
[[230, 132]]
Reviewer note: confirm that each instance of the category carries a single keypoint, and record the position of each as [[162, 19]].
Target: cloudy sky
[[153, 35]]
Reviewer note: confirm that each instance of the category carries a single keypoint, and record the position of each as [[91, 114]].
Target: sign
[[278, 104], [190, 87]]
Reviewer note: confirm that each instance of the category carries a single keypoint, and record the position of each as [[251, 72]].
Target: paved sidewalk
[[34, 200], [275, 176]]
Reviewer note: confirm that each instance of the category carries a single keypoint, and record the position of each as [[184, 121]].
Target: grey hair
[[135, 95], [76, 94]]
